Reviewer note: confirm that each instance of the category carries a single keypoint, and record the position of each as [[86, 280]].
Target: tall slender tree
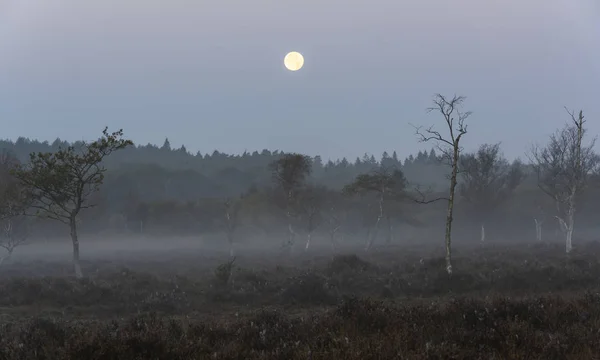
[[449, 146]]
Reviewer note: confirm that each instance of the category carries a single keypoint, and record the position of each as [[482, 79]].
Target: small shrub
[[223, 273]]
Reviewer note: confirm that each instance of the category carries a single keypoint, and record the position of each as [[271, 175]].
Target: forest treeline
[[222, 175], [176, 192]]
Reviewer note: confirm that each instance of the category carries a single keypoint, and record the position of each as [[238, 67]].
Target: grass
[[501, 303]]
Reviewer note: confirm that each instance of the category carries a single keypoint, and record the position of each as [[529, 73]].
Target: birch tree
[[61, 183], [335, 218], [449, 146], [388, 187], [563, 167], [290, 173], [488, 180], [310, 202]]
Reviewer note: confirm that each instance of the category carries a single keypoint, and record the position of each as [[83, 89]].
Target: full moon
[[293, 61]]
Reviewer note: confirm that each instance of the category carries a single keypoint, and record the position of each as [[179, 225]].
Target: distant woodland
[[159, 190]]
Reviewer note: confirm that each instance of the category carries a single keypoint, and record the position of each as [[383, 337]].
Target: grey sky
[[209, 73]]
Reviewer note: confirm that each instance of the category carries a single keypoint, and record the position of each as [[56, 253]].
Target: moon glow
[[293, 61]]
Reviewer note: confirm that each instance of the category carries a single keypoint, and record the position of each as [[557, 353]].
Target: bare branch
[[422, 196]]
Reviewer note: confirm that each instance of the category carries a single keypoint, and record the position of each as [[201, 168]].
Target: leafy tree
[[388, 186], [290, 173], [61, 183], [488, 180]]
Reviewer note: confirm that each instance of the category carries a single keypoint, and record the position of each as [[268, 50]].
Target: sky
[[209, 74]]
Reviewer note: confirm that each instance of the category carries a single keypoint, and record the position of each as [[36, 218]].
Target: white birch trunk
[[538, 230], [308, 238], [567, 229], [482, 235], [291, 237], [570, 227], [371, 240]]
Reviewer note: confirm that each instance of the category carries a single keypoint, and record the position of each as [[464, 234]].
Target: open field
[[503, 302]]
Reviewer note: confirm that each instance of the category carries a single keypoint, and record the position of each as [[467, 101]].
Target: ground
[[503, 302]]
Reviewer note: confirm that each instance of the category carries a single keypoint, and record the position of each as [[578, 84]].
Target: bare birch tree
[[60, 184], [449, 146], [563, 168], [290, 173], [488, 180]]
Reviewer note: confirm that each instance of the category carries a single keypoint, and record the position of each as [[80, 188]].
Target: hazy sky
[[209, 73]]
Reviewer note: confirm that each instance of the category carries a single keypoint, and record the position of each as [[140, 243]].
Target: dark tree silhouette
[[61, 183], [290, 173]]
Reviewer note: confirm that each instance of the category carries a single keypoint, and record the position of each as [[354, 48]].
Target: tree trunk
[[292, 236], [75, 240], [373, 236], [569, 232], [482, 235], [376, 229], [390, 234], [308, 238], [566, 228], [230, 242], [538, 230], [449, 217]]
